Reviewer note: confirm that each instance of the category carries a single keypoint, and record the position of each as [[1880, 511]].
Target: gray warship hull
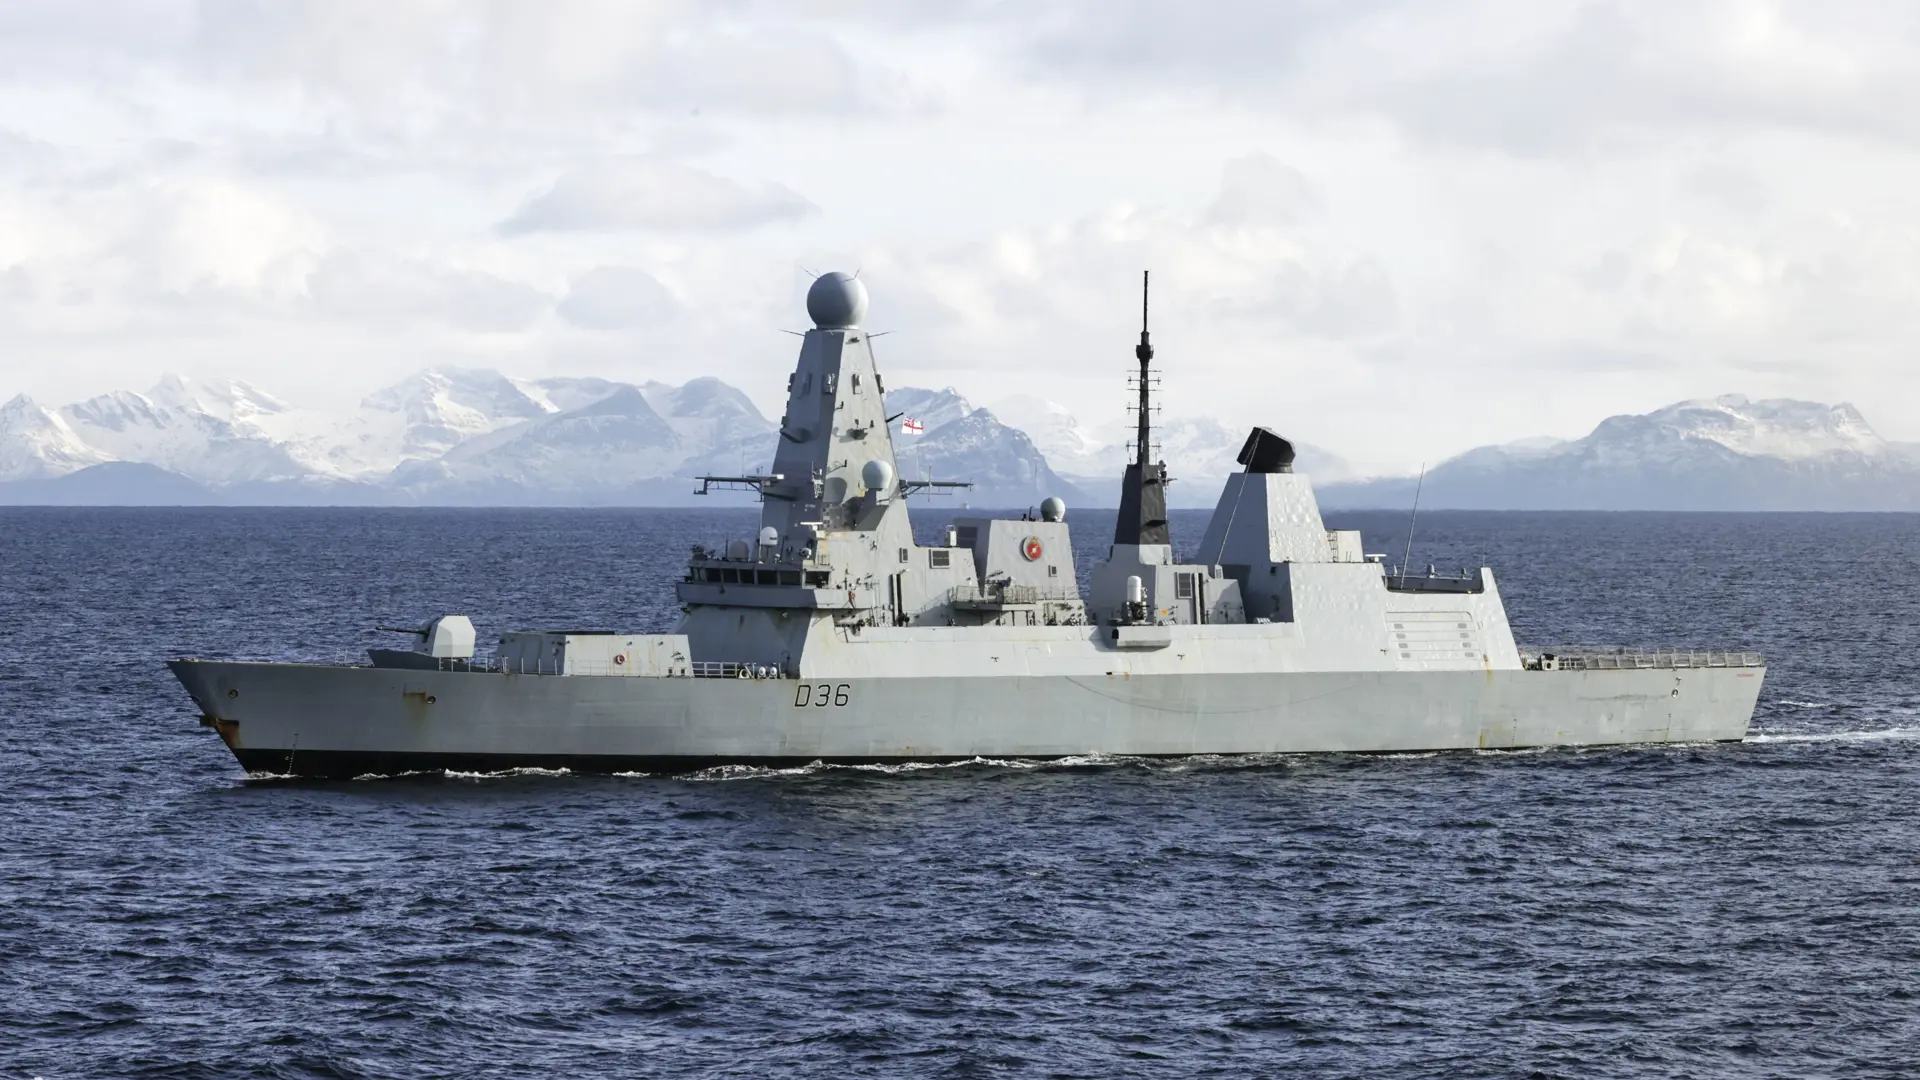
[[834, 635], [332, 721]]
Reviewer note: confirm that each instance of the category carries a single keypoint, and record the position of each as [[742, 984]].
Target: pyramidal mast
[[1143, 493]]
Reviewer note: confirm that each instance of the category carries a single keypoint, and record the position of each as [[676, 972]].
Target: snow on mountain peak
[[37, 444], [933, 408], [440, 408], [188, 437], [705, 397], [229, 399], [119, 410], [1774, 427], [481, 391], [1059, 434]]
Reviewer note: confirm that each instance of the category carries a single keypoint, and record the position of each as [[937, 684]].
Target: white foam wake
[[1879, 735], [754, 772]]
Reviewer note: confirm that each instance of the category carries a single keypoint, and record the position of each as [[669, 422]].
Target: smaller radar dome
[[769, 536], [1052, 508], [878, 476], [837, 301]]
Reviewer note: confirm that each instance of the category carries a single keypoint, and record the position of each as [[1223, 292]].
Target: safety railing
[[995, 593], [728, 669], [1621, 659], [699, 669]]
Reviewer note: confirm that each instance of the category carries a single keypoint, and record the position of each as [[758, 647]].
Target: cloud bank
[[1386, 226]]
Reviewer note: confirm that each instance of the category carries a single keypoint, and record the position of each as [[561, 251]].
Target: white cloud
[[380, 289], [656, 194], [1383, 225], [1261, 190], [617, 298]]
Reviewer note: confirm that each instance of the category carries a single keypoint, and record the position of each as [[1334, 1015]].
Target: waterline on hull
[[333, 765]]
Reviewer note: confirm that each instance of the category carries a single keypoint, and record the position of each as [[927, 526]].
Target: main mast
[[1143, 493]]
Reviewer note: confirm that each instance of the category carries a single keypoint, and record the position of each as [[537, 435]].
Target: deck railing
[[1003, 593], [1577, 659], [699, 669], [728, 669]]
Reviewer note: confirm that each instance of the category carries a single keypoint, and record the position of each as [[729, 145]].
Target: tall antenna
[[1411, 518], [1143, 494], [1144, 352]]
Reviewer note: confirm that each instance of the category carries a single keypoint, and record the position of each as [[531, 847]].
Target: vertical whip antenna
[[1411, 518], [1144, 353]]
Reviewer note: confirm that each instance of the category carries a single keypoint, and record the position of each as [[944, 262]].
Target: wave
[[1876, 735], [755, 772], [524, 770], [1194, 762]]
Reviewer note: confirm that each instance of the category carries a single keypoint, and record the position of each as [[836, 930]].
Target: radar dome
[[878, 476], [769, 536], [837, 301], [1053, 508]]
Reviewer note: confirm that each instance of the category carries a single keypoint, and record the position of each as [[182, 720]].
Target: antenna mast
[[1143, 492], [1143, 439]]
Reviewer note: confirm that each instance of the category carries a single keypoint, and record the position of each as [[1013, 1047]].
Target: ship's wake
[[1191, 763], [1871, 735]]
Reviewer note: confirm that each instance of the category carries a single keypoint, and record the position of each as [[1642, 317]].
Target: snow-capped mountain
[[594, 453], [182, 431], [1725, 453], [1200, 453], [239, 403], [717, 425], [440, 435], [965, 443], [36, 444], [469, 436], [932, 408], [440, 408], [1070, 446]]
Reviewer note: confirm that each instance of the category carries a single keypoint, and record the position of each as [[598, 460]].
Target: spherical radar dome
[[878, 476], [1053, 508], [837, 301]]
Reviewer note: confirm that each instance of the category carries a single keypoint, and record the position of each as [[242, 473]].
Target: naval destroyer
[[831, 635]]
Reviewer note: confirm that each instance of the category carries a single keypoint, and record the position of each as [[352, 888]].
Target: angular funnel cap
[[1266, 452]]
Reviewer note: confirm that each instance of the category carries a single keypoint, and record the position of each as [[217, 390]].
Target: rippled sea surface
[[1726, 910]]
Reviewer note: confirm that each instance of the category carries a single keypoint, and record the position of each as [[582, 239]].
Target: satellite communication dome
[[769, 536], [1053, 508], [837, 301], [878, 476]]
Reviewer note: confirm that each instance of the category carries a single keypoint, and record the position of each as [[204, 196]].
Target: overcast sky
[[1393, 229]]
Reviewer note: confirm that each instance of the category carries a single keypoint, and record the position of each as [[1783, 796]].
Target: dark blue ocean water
[[1744, 910]]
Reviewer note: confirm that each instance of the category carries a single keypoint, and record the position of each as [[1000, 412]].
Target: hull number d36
[[820, 695]]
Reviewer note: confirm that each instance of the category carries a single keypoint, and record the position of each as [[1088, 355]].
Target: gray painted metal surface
[[349, 720], [831, 635]]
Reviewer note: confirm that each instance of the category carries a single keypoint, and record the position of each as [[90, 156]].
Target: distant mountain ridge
[[1724, 453], [452, 436], [964, 443]]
